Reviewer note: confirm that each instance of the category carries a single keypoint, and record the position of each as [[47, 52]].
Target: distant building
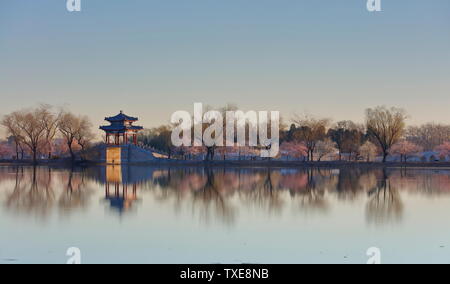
[[423, 157], [430, 156]]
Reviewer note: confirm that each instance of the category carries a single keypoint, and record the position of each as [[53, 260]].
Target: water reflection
[[37, 191], [218, 194], [120, 188], [384, 204]]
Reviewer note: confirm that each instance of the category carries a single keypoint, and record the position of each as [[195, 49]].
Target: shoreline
[[238, 164]]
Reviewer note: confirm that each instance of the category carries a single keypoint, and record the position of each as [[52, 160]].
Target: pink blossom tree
[[443, 149], [405, 149], [293, 149]]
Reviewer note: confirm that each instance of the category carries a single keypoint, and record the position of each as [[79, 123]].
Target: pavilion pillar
[[117, 189], [135, 139]]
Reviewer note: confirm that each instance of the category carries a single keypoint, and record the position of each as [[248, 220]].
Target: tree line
[[43, 132], [383, 133], [40, 131]]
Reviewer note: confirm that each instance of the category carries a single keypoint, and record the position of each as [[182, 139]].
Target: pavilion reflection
[[121, 185]]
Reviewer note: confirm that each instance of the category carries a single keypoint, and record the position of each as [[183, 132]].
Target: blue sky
[[150, 58]]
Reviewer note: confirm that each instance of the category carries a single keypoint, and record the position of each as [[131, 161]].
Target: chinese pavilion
[[121, 129]]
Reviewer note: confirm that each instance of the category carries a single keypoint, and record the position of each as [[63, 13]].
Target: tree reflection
[[32, 193], [384, 204], [210, 199], [78, 190], [35, 192], [261, 191], [218, 194], [312, 197]]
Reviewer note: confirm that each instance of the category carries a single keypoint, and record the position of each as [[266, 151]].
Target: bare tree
[[310, 131], [30, 127], [386, 126], [429, 135], [14, 131], [69, 125], [218, 135], [348, 137], [84, 135], [50, 123]]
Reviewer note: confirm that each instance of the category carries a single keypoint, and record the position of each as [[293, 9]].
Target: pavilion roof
[[121, 117]]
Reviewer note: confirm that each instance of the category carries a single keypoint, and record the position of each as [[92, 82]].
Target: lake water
[[233, 215]]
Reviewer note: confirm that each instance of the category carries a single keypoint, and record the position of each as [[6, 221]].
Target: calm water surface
[[196, 215]]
